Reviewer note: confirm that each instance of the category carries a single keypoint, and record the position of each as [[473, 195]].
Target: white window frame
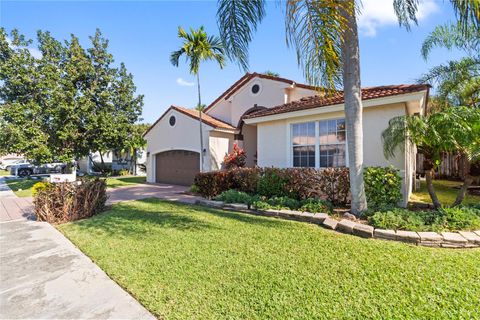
[[331, 144], [315, 143], [289, 132]]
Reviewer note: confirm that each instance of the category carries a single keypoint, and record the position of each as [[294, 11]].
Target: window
[[172, 121], [303, 139], [255, 88], [319, 143], [332, 143]]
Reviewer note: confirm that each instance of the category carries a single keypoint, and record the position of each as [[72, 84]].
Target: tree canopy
[[68, 102]]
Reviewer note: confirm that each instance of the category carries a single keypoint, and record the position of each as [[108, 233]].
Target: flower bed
[[461, 239]]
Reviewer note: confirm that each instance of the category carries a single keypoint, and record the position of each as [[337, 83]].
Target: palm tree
[[325, 35], [197, 47], [452, 129]]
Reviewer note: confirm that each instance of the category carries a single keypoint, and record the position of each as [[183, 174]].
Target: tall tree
[[325, 35], [65, 104], [198, 47]]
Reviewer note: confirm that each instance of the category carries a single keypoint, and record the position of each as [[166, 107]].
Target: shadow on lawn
[[130, 219]]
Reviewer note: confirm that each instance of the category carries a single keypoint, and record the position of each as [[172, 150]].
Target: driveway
[[149, 190], [44, 276]]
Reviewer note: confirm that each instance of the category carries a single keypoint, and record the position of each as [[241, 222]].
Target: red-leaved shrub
[[235, 159]]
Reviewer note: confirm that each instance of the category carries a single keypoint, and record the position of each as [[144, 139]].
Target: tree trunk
[[431, 189], [200, 121], [102, 168], [467, 180], [353, 112], [463, 190]]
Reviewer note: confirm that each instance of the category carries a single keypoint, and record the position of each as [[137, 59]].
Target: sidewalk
[[11, 206], [44, 276]]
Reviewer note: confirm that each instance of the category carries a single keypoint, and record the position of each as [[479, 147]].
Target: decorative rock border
[[461, 239]]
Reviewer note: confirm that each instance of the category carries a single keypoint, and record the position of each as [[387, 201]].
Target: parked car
[[22, 169], [26, 168], [6, 163]]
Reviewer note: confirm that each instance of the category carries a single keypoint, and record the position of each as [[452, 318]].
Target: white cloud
[[184, 83], [378, 13], [37, 54]]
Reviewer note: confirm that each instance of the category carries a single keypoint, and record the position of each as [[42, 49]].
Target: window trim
[[289, 132]]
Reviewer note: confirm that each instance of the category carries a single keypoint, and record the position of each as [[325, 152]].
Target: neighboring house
[[116, 160], [279, 123]]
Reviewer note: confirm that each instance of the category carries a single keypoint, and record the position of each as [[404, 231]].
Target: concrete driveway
[[149, 190], [44, 276]]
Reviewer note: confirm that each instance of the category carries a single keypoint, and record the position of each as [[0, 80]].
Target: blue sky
[[143, 34]]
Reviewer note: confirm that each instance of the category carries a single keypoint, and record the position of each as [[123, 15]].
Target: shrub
[[447, 219], [272, 183], [211, 184], [234, 196], [235, 159], [277, 203], [382, 186], [316, 205], [124, 172], [38, 187], [69, 201], [334, 184]]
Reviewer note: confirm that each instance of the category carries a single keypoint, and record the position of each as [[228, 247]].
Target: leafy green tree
[[272, 73], [198, 47], [325, 35], [452, 129], [65, 104], [457, 82]]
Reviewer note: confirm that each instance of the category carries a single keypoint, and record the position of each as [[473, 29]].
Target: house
[[279, 123], [115, 160]]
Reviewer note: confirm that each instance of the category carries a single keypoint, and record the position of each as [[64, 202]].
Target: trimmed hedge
[[382, 184], [69, 201], [298, 183]]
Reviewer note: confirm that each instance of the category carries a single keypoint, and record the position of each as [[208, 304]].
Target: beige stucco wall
[[271, 94], [183, 136], [274, 146], [220, 143]]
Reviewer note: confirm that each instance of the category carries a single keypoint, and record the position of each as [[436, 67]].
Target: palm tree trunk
[[431, 189], [353, 112], [200, 121]]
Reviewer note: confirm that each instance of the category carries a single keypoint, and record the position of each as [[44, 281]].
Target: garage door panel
[[177, 166]]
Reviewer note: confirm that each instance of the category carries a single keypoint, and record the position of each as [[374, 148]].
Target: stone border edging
[[461, 239]]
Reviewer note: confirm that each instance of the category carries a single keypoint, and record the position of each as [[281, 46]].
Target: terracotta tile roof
[[337, 98], [207, 119], [246, 78]]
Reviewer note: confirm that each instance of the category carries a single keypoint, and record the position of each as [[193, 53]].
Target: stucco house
[[279, 123]]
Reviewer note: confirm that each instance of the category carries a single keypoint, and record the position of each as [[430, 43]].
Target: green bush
[[38, 187], [272, 183], [382, 186], [447, 219], [234, 196], [124, 172], [316, 205]]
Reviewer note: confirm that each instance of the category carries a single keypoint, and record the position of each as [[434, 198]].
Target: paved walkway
[[11, 206], [142, 191], [44, 276]]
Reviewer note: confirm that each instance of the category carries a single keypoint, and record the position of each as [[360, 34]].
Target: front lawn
[[4, 173], [446, 193], [189, 262], [21, 187], [114, 182]]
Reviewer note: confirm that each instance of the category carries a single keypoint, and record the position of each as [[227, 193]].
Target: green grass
[[189, 262], [4, 173], [445, 191], [26, 185], [115, 182], [21, 187]]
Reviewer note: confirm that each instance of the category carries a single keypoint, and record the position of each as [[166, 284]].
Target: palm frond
[[406, 11], [395, 136], [175, 57], [467, 12], [452, 36], [315, 29], [237, 21]]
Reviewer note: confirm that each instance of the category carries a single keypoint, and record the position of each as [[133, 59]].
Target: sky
[[142, 34]]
